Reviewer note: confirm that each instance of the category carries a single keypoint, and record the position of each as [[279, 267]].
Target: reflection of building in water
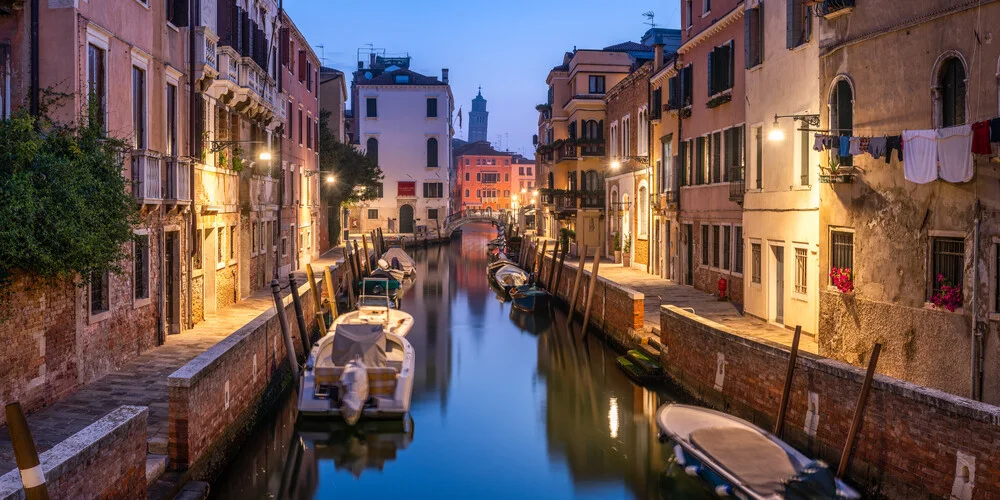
[[468, 259], [428, 301], [595, 417]]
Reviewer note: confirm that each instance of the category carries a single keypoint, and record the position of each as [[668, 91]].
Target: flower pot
[[572, 248], [626, 260], [618, 256]]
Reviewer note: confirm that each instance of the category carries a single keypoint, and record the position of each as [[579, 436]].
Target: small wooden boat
[[398, 260], [377, 310], [738, 458], [529, 298], [397, 274], [510, 276]]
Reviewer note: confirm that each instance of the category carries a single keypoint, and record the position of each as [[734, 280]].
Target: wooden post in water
[[591, 288], [25, 454], [576, 282], [317, 300], [786, 392], [357, 261], [859, 412], [331, 290], [368, 259], [300, 318], [552, 270], [554, 286], [283, 321], [540, 261], [350, 287], [381, 237]]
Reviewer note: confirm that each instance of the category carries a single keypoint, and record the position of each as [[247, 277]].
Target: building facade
[[665, 186], [522, 182], [333, 98], [403, 121], [479, 119], [484, 177]]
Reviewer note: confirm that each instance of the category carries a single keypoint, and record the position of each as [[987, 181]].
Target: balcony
[[591, 200], [229, 67], [566, 151], [832, 9], [206, 49], [146, 177], [591, 147], [178, 187], [737, 184]]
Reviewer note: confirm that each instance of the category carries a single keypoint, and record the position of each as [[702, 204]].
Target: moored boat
[[738, 458], [377, 310], [509, 276], [398, 260], [529, 298], [358, 371]]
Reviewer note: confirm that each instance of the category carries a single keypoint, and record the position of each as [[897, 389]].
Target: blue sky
[[507, 46]]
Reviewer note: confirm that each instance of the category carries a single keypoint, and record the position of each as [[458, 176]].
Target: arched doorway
[[406, 219]]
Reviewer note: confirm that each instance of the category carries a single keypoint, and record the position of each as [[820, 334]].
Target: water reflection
[[508, 405]]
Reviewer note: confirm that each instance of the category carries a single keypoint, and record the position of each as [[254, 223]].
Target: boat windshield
[[373, 301]]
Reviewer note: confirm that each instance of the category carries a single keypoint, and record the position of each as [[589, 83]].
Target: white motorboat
[[384, 267], [398, 259], [377, 310], [510, 276], [359, 371]]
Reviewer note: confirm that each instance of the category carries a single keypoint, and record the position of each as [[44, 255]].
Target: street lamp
[[615, 165], [777, 134], [265, 156], [330, 179]]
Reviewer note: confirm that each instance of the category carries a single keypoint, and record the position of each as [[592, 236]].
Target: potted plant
[[947, 296], [618, 248], [626, 255], [841, 279]]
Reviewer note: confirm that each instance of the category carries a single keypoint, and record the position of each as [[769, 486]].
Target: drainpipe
[[680, 122], [977, 354], [35, 85], [194, 19], [281, 148]]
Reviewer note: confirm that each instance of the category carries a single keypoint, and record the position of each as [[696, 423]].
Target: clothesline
[[852, 130]]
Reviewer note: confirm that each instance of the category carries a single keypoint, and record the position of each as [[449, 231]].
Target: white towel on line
[[954, 152], [920, 155]]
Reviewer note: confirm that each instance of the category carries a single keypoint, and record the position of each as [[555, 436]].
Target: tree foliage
[[357, 176], [66, 211]]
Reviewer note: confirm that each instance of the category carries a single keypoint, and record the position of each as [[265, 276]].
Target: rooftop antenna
[[649, 15], [322, 53]]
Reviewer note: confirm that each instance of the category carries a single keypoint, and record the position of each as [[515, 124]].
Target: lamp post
[[776, 134]]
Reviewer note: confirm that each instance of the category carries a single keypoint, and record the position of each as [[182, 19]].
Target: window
[[704, 245], [689, 11], [759, 155], [732, 139], [951, 88], [371, 149], [309, 73], [432, 153], [529, 170], [100, 296], [138, 108], [948, 262], [432, 107], [309, 136], [656, 105], [596, 84], [715, 249], [506, 177], [140, 256], [232, 242], [177, 13], [466, 193], [291, 122], [627, 136], [372, 105], [171, 97], [706, 6], [432, 214], [433, 190], [754, 35], [97, 86], [284, 246], [489, 177], [196, 259], [253, 238], [220, 244], [799, 23], [699, 160], [842, 113], [717, 157], [720, 69], [642, 136], [726, 246], [372, 214], [479, 176], [738, 253], [466, 175], [687, 85], [755, 262], [642, 211], [801, 266]]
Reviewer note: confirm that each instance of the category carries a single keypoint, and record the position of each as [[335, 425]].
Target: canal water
[[505, 405]]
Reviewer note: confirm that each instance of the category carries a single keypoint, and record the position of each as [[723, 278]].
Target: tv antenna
[[649, 15], [322, 52]]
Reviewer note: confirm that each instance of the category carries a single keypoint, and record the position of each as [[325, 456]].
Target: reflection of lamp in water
[[613, 418]]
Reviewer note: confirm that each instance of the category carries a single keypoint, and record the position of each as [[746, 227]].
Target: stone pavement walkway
[[659, 291], [142, 381]]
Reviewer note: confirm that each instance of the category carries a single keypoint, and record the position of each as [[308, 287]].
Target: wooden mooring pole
[[576, 282], [300, 318], [317, 300], [859, 412], [552, 271], [331, 290], [350, 286], [554, 286], [786, 392], [25, 454], [283, 322], [592, 287], [540, 261], [368, 259]]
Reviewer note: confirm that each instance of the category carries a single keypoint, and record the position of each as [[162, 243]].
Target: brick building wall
[[471, 168], [911, 437]]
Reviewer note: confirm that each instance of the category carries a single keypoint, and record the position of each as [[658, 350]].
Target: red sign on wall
[[408, 188]]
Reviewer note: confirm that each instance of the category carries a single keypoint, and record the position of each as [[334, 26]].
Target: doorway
[[210, 256], [779, 284], [172, 282], [406, 219]]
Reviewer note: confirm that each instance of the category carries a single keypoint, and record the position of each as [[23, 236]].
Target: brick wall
[[641, 251], [225, 286], [104, 460], [198, 298], [911, 436]]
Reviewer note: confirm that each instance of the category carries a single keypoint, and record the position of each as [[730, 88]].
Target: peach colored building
[[484, 177]]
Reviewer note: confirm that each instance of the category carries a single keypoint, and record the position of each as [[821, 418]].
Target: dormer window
[[402, 78]]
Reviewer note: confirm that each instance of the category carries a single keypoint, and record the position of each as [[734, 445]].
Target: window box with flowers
[[946, 296], [842, 280]]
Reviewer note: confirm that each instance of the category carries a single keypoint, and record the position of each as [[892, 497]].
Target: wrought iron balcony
[[737, 184], [146, 177], [831, 9], [566, 151], [178, 186]]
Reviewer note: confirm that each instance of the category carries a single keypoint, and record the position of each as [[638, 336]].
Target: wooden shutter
[[711, 79], [302, 65], [731, 66], [284, 46], [178, 12], [748, 35], [793, 24], [225, 21]]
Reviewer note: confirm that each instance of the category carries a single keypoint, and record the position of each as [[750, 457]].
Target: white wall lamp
[[776, 134]]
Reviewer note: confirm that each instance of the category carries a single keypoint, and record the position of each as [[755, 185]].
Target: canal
[[505, 405]]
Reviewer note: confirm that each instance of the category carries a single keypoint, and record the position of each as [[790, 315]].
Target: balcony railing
[[566, 152], [591, 200], [831, 9], [737, 184], [206, 48], [178, 188], [146, 172]]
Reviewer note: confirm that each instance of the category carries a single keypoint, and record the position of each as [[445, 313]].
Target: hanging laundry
[[981, 138], [855, 146], [954, 153], [845, 146], [920, 157], [819, 142], [876, 147], [894, 142], [865, 144]]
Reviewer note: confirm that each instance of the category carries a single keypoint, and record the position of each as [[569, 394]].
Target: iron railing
[[737, 184], [834, 8]]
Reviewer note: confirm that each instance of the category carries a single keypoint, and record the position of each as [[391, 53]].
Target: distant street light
[[330, 179], [265, 156], [615, 165]]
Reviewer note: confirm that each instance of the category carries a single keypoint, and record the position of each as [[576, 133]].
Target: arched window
[[571, 181], [590, 181], [641, 134], [432, 152], [641, 202], [842, 112], [372, 149], [952, 92], [613, 209]]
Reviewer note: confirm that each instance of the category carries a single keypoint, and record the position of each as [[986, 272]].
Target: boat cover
[[511, 275], [756, 460], [398, 259], [366, 342]]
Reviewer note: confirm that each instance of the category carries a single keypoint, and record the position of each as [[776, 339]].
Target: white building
[[403, 119]]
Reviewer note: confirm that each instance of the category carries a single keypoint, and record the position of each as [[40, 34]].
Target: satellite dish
[[368, 75]]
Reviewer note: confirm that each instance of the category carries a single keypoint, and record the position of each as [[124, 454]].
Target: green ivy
[[66, 211]]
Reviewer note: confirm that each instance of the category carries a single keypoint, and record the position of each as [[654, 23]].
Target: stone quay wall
[[915, 442]]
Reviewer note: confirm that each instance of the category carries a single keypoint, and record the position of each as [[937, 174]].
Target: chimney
[[444, 75], [371, 60], [361, 65], [657, 55]]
